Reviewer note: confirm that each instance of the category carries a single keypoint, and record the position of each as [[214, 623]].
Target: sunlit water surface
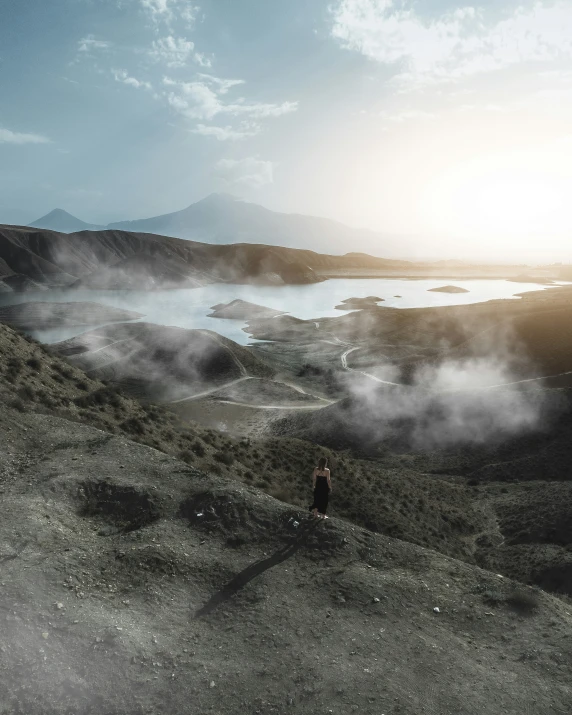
[[189, 308]]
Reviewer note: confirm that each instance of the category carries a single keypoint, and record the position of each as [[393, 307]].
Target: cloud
[[123, 77], [10, 137], [201, 100], [89, 43], [227, 133], [457, 44], [176, 52], [223, 85], [167, 11], [250, 171]]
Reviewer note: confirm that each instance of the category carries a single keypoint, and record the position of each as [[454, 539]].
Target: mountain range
[[223, 219]]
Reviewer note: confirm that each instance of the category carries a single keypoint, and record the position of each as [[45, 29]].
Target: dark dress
[[321, 494]]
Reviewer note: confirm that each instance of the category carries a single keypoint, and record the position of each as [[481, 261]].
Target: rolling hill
[[112, 259]]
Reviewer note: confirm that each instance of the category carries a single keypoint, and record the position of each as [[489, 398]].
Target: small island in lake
[[243, 310], [360, 303], [448, 289]]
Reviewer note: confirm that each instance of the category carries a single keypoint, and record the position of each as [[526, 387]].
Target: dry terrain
[[160, 558], [134, 584]]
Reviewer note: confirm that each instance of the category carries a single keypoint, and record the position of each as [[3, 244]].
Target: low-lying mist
[[482, 396]]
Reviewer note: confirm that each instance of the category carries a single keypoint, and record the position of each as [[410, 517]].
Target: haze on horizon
[[442, 120]]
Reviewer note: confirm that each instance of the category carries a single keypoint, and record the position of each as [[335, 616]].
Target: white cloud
[[89, 43], [198, 100], [123, 77], [223, 85], [456, 45], [250, 171], [176, 52], [166, 11], [202, 60], [226, 133], [10, 137]]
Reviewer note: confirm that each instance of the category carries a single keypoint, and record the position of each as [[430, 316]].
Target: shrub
[[199, 449], [224, 457], [133, 425], [64, 370], [17, 404], [82, 385], [15, 364], [34, 362], [524, 599], [186, 455], [26, 392]]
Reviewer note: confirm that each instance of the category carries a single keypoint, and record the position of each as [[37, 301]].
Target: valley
[[159, 474]]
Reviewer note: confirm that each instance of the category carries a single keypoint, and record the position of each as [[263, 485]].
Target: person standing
[[322, 484]]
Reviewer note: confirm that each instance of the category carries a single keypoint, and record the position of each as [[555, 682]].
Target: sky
[[447, 123]]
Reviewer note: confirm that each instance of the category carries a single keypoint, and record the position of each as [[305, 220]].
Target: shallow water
[[188, 308]]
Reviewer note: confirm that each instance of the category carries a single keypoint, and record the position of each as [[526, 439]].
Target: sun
[[496, 198], [510, 204]]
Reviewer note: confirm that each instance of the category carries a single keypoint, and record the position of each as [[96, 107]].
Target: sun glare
[[510, 204], [499, 198]]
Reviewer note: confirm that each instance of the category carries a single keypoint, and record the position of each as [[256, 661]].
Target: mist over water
[[188, 308]]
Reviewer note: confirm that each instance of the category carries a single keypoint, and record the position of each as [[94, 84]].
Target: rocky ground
[[132, 583], [151, 564]]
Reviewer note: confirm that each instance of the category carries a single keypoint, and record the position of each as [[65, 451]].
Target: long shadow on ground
[[254, 570]]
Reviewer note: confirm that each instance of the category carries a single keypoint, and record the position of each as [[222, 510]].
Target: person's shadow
[[254, 570]]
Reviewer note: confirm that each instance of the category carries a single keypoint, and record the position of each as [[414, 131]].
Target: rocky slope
[[134, 584]]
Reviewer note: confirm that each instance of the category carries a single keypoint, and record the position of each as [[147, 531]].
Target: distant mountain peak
[[59, 212], [62, 221], [220, 197]]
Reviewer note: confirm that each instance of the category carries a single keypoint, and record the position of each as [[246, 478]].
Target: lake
[[188, 308]]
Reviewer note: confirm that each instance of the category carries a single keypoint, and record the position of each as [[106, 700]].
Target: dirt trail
[[212, 390]]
